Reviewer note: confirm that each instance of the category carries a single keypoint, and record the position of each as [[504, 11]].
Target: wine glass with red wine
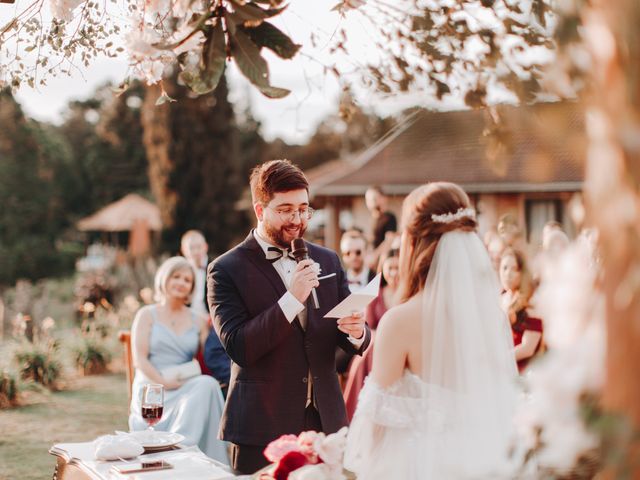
[[152, 403]]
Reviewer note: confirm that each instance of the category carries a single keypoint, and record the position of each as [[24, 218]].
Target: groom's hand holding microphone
[[304, 278]]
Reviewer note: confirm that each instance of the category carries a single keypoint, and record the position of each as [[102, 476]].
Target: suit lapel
[[256, 256]]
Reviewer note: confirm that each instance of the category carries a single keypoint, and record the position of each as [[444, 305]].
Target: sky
[[314, 94]]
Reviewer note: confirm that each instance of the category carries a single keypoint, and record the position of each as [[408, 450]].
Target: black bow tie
[[274, 254]]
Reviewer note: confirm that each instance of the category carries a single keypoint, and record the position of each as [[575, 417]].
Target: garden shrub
[[38, 362], [8, 389], [92, 358]]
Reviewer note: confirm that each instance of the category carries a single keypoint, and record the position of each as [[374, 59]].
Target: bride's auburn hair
[[422, 233]]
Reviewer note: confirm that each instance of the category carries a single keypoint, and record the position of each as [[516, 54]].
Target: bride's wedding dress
[[458, 424], [386, 430]]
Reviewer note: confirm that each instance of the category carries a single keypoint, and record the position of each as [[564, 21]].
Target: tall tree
[[30, 155], [104, 133], [194, 163]]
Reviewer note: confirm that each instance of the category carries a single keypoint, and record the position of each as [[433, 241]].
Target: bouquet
[[308, 456]]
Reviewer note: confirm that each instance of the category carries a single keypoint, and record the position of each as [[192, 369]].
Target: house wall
[[531, 209]]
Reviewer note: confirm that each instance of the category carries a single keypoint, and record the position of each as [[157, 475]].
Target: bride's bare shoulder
[[399, 319]]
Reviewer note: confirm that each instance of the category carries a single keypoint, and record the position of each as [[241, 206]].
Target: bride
[[439, 401]]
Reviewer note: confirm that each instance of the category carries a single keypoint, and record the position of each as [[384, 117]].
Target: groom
[[283, 377]]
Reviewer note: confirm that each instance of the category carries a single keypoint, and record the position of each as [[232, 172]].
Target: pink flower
[[287, 464], [280, 447]]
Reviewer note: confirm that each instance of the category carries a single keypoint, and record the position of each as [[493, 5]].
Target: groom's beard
[[282, 236]]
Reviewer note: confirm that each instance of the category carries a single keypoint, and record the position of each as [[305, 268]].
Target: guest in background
[[168, 334], [195, 249], [383, 223], [383, 220], [361, 366], [554, 240], [550, 226], [516, 281], [495, 246], [510, 232], [353, 247]]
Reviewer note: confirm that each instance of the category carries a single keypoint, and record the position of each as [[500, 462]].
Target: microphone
[[300, 252]]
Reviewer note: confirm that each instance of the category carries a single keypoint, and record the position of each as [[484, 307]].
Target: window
[[538, 212]]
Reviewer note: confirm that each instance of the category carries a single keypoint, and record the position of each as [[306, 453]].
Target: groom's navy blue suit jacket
[[271, 357]]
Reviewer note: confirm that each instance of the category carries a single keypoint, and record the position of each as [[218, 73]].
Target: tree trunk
[[613, 193], [157, 143], [195, 164]]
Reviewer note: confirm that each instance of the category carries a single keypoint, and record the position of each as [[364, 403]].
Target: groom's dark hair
[[275, 176]]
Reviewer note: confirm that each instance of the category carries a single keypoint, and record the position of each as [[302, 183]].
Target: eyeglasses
[[289, 214], [357, 253]]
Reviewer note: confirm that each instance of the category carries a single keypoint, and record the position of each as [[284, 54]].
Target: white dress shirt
[[289, 304], [358, 281], [198, 302]]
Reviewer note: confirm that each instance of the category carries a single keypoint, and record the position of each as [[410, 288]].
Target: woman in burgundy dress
[[518, 289], [361, 366]]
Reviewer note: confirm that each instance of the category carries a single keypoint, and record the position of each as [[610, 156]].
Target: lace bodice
[[412, 430], [403, 404], [387, 428]]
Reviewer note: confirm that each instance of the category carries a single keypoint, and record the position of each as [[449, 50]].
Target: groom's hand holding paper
[[357, 301], [352, 325]]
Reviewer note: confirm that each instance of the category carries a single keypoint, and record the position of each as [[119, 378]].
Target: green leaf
[[273, 92], [164, 98], [269, 36], [251, 15], [123, 87], [253, 66], [213, 54], [273, 3], [441, 89], [206, 76]]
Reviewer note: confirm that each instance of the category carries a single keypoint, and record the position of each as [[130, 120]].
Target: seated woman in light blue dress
[[167, 334]]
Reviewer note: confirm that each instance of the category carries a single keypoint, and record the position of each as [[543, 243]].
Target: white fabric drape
[[468, 355]]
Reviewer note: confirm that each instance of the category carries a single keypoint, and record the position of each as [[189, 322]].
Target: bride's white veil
[[469, 367]]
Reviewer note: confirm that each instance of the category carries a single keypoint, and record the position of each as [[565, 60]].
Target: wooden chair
[[125, 337]]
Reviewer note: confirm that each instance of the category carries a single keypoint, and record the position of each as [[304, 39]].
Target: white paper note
[[357, 301]]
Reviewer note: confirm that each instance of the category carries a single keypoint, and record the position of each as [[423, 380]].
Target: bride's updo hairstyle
[[421, 233]]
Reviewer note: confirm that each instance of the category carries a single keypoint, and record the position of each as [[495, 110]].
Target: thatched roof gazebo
[[133, 214]]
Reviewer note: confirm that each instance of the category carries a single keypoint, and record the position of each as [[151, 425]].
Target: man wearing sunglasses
[[353, 246]]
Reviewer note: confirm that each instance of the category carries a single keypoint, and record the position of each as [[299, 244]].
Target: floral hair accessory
[[452, 217]]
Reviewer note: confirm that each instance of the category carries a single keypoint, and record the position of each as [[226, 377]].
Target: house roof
[[541, 148], [122, 215]]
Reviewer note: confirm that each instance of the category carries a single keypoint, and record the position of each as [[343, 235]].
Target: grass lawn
[[89, 407]]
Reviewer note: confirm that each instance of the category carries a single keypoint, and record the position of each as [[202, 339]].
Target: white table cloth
[[189, 463]]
